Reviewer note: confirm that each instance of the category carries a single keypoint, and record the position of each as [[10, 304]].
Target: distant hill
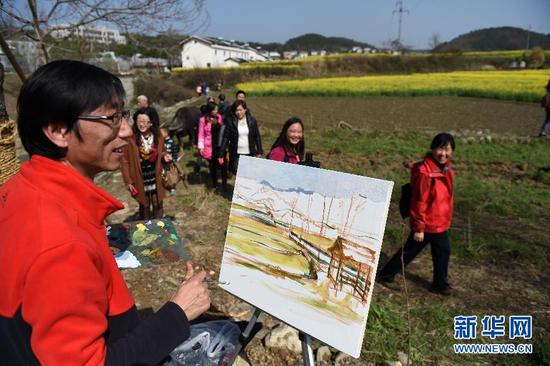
[[313, 42], [496, 39]]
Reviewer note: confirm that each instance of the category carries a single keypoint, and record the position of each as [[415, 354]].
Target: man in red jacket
[[431, 214], [64, 301]]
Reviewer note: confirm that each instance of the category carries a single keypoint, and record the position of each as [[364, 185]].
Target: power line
[[399, 9]]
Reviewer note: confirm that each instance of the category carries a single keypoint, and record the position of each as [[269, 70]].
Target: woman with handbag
[[142, 166]]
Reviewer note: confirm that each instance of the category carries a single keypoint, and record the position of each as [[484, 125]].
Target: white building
[[216, 52], [26, 53], [271, 55], [96, 34]]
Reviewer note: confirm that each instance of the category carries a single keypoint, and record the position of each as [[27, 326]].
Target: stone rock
[[240, 311], [323, 356], [180, 216], [262, 333], [285, 337], [403, 358], [171, 280], [268, 321], [239, 361], [342, 359], [392, 363]]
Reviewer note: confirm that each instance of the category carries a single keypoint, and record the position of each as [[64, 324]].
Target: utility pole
[[399, 9], [528, 34]]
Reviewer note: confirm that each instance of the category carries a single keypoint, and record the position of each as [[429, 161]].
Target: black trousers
[[441, 251], [214, 167]]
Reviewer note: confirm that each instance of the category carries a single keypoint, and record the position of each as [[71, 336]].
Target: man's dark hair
[[240, 92], [221, 97], [57, 93], [236, 104], [441, 140], [210, 107]]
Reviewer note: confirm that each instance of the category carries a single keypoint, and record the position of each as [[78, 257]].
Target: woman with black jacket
[[241, 135]]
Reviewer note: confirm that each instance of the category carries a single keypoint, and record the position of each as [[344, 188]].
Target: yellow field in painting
[[318, 240], [269, 249], [266, 244], [526, 85]]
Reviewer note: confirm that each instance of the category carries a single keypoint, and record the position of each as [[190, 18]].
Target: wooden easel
[[307, 349]]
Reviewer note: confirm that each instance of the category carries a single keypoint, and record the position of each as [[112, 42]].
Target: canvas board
[[303, 245]]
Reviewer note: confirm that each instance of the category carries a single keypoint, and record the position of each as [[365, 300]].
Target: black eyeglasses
[[116, 118]]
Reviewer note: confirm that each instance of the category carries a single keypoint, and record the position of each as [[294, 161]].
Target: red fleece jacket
[[432, 197], [60, 283]]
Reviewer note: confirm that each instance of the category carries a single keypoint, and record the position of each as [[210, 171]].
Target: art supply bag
[[212, 343]]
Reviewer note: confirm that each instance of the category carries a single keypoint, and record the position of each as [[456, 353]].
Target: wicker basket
[[9, 164]]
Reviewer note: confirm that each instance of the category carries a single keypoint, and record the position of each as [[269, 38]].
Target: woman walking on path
[[142, 166], [241, 135], [208, 143], [431, 213], [289, 146]]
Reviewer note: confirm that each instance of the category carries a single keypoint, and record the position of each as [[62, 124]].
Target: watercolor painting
[[303, 245]]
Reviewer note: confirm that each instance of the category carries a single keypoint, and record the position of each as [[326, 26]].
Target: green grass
[[501, 187], [432, 337], [387, 332]]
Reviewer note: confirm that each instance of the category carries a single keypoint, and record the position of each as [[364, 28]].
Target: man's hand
[[193, 295], [419, 237], [220, 161]]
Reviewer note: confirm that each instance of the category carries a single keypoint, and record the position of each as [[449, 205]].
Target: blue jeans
[[545, 125]]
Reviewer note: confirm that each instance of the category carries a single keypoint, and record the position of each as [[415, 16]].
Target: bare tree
[[38, 19], [434, 41]]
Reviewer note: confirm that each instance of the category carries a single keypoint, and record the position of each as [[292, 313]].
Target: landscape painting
[[303, 245]]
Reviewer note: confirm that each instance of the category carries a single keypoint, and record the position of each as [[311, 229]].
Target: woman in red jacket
[[289, 146], [431, 213]]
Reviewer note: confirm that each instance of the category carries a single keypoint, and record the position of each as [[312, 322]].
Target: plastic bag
[[212, 343]]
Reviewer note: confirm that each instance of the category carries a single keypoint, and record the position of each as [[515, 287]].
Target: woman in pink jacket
[[209, 144]]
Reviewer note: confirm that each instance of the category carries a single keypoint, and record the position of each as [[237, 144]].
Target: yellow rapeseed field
[[525, 85]]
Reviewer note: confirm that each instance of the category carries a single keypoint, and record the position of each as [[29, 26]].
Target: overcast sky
[[369, 21]]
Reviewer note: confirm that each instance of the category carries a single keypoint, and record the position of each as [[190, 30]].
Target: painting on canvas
[[303, 244]]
